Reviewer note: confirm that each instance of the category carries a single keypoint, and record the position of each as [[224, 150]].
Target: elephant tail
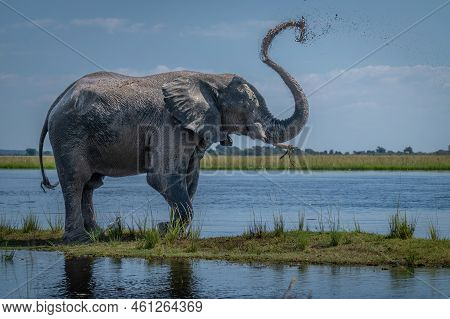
[[45, 181]]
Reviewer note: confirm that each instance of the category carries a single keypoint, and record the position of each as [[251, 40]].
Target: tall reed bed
[[329, 162], [304, 162]]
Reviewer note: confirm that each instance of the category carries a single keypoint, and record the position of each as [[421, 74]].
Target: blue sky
[[399, 96]]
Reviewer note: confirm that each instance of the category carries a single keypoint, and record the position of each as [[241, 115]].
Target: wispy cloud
[[228, 30], [117, 25]]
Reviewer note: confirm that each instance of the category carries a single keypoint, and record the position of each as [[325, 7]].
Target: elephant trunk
[[279, 131]]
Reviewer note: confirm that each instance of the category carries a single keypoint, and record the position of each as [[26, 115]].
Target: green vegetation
[[26, 162], [151, 239], [278, 225], [433, 230], [400, 227], [329, 162], [330, 244], [256, 229], [293, 246], [55, 223], [304, 162], [30, 223], [302, 240]]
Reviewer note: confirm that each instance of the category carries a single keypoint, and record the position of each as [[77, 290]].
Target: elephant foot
[[163, 228], [75, 236], [91, 227]]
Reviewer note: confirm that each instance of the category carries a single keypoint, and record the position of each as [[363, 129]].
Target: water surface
[[35, 274], [226, 201]]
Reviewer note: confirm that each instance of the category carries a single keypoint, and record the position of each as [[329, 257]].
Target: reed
[[356, 225], [304, 162], [433, 230], [30, 223], [301, 221], [5, 225], [401, 227], [278, 225], [151, 239], [256, 229], [55, 223], [329, 162]]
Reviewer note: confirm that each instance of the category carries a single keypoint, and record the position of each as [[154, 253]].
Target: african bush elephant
[[108, 124]]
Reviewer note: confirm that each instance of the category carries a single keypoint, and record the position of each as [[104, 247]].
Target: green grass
[[329, 162], [256, 229], [293, 246], [401, 227], [30, 223], [433, 230], [278, 225], [302, 240], [55, 223], [151, 239], [312, 162]]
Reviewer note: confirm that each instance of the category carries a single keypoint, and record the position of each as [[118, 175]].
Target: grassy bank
[[341, 248], [330, 162], [312, 162], [25, 162]]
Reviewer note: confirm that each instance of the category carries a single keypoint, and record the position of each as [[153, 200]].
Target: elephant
[[108, 124]]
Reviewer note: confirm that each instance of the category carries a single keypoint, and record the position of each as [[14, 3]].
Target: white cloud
[[117, 24], [229, 30], [109, 24]]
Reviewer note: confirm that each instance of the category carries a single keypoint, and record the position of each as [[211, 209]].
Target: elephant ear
[[193, 102]]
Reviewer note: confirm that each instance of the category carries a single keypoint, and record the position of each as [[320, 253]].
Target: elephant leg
[[73, 174], [174, 189], [193, 175], [74, 224], [87, 205]]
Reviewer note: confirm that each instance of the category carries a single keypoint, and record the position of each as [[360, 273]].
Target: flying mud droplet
[[307, 34]]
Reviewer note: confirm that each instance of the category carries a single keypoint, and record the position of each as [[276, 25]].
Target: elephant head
[[214, 106]]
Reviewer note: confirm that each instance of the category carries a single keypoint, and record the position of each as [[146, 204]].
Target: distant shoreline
[[303, 162]]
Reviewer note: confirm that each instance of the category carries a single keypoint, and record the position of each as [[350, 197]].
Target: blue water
[[35, 274], [226, 202]]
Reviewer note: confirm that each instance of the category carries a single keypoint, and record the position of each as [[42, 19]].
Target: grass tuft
[[278, 225], [433, 230], [334, 224], [400, 227], [116, 230], [356, 226], [175, 231], [56, 224], [5, 225], [30, 223], [301, 221], [151, 239], [256, 229], [95, 235], [302, 240]]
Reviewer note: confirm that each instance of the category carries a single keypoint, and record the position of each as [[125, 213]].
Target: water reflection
[[37, 274], [181, 278], [78, 277]]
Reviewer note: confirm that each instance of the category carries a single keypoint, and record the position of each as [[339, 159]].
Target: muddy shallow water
[[34, 274]]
